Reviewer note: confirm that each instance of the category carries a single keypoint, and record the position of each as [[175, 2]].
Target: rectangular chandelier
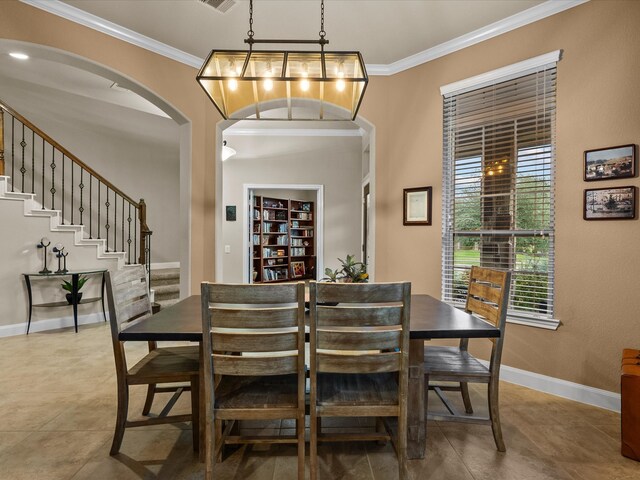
[[284, 85]]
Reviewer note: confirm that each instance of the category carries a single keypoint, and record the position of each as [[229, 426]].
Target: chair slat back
[[254, 329], [488, 294], [359, 335], [127, 296]]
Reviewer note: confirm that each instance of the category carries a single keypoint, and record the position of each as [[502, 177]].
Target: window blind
[[498, 192]]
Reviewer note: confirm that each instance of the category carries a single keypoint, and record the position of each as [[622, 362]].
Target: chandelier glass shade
[[284, 84], [291, 85]]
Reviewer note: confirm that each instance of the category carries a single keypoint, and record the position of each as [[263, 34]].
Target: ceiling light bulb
[[304, 85], [19, 56], [233, 84], [340, 85], [268, 84]]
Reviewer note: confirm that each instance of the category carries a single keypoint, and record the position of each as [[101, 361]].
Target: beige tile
[[50, 455], [523, 460], [9, 439]]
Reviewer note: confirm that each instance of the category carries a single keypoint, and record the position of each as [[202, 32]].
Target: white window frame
[[510, 72]]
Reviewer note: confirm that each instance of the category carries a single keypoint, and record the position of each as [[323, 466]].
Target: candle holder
[[62, 257], [44, 243]]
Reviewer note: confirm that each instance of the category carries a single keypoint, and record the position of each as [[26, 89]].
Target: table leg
[[203, 412], [416, 425], [74, 299], [102, 295], [28, 281]]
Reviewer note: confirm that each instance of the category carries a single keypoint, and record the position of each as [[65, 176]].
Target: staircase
[[54, 183], [166, 285]]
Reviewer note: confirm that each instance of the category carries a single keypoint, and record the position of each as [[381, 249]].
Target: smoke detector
[[220, 5]]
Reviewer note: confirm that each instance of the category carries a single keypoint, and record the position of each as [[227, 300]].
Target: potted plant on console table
[[351, 272], [68, 286]]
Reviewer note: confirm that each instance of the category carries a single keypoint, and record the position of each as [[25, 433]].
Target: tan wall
[[596, 262]]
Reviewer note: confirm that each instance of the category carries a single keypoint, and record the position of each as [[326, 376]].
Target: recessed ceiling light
[[19, 56]]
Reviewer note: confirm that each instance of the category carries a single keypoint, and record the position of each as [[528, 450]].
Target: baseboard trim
[[159, 266], [561, 388], [49, 324]]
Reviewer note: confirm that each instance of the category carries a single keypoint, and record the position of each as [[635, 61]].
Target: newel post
[[142, 218], [1, 141]]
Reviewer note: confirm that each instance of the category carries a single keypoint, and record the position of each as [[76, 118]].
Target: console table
[[75, 276]]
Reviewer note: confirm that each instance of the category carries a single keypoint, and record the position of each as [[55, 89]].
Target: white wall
[[335, 162], [18, 254]]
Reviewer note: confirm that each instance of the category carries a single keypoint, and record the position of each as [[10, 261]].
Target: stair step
[[166, 292], [165, 273]]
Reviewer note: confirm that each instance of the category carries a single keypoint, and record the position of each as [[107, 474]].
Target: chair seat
[[452, 364], [343, 389], [166, 364], [278, 391]]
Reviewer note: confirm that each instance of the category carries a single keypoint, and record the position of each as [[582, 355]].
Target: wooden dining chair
[[253, 344], [487, 297], [359, 346], [128, 300]]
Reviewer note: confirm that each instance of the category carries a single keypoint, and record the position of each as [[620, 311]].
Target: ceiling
[[384, 31]]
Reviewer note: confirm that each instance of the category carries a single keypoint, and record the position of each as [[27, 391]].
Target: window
[[498, 203]]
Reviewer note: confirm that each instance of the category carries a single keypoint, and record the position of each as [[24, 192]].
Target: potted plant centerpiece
[[350, 272], [68, 286]]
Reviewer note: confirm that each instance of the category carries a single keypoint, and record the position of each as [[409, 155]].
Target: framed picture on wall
[[297, 269], [610, 163], [416, 206], [610, 203]]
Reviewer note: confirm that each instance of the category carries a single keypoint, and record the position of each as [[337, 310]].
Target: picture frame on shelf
[[617, 203], [610, 163], [416, 206], [297, 269]]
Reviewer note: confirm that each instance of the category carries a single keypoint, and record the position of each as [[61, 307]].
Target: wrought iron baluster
[[62, 215], [81, 186], [99, 205], [53, 177], [129, 236], [72, 187], [43, 155], [13, 148], [22, 169], [135, 236], [122, 227], [107, 226], [90, 206], [115, 221], [33, 161], [1, 141]]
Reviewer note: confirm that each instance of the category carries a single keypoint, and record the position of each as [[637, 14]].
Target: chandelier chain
[[250, 32], [322, 32]]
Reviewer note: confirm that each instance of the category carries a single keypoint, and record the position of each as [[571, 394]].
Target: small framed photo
[[416, 206], [610, 163], [297, 269], [610, 203]]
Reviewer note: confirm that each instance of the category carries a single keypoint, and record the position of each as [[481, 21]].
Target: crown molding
[[502, 74], [543, 10], [69, 12], [531, 15], [293, 132]]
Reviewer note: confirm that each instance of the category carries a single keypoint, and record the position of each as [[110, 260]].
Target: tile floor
[[57, 410]]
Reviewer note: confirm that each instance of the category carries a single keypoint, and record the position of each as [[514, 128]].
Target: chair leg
[[300, 433], [494, 413], [151, 391], [313, 445], [195, 412], [121, 418], [219, 443], [464, 388]]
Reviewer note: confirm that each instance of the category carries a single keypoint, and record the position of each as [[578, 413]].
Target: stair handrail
[[145, 233]]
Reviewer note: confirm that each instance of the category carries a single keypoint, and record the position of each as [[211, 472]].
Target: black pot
[[70, 297]]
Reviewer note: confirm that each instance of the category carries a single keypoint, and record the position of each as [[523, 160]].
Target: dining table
[[430, 319]]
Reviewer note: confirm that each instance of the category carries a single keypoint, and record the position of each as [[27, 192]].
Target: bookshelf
[[282, 240]]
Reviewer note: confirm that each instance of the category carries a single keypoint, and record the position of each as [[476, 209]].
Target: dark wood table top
[[430, 318]]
